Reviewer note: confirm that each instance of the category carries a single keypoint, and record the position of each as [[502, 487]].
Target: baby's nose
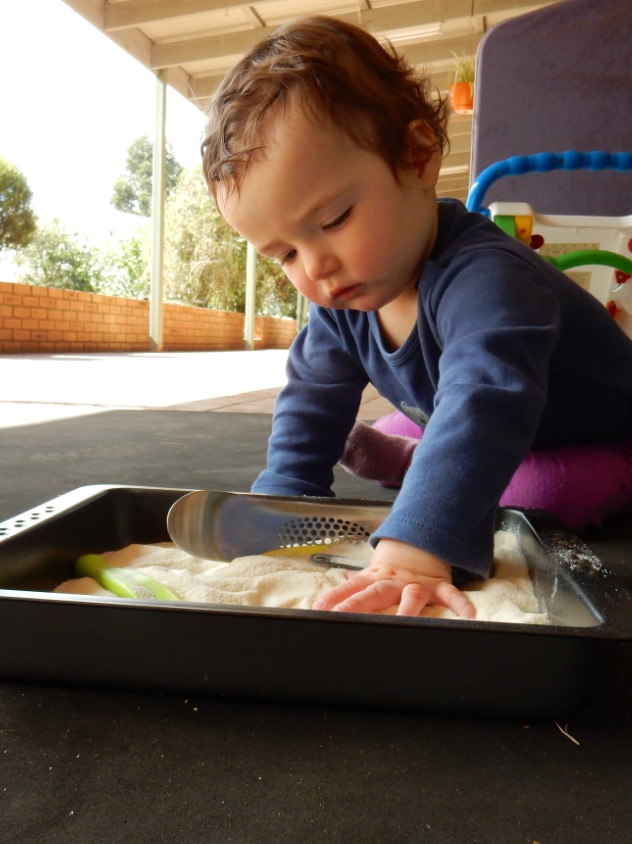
[[320, 265]]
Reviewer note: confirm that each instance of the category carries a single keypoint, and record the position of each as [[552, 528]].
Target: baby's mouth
[[343, 294]]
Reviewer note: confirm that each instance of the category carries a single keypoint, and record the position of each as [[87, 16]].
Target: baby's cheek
[[307, 288]]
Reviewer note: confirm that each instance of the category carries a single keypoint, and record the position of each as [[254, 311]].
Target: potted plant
[[462, 89]]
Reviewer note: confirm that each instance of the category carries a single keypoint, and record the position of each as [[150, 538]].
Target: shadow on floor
[[183, 450]]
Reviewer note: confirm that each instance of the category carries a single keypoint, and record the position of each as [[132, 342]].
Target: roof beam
[[466, 15], [138, 12], [202, 88], [116, 16], [411, 16], [213, 46]]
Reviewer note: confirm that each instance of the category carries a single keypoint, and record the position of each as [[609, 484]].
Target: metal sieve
[[223, 525]]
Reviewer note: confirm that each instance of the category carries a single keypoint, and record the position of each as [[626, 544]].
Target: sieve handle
[[334, 561]]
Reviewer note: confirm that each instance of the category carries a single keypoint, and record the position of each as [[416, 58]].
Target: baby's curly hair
[[338, 73]]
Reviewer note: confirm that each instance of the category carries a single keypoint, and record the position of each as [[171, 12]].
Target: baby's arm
[[398, 574]]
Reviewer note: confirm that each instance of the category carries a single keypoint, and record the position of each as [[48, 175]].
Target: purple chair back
[[557, 79]]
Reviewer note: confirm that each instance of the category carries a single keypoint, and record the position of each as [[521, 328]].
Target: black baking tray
[[416, 664]]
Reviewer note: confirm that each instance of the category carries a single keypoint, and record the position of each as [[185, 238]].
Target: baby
[[323, 149]]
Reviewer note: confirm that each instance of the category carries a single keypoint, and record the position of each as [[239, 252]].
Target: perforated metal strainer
[[224, 525], [319, 530]]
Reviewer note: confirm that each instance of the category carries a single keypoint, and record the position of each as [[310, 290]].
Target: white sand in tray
[[295, 583]]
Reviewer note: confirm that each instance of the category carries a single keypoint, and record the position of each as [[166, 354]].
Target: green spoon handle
[[123, 582]]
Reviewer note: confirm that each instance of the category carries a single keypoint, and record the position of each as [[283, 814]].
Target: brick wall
[[48, 320]]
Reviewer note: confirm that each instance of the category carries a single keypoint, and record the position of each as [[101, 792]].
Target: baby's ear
[[424, 152]]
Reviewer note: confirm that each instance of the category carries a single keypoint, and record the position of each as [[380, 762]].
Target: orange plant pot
[[462, 95]]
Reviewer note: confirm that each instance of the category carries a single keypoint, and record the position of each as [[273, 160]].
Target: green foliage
[[126, 265], [132, 191], [205, 260], [18, 223], [464, 67], [55, 258]]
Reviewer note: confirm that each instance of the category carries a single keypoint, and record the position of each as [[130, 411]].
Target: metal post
[[158, 217], [251, 284], [302, 311]]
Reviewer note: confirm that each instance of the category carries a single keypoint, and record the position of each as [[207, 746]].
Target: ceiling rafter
[[379, 21], [138, 12], [198, 49], [194, 42]]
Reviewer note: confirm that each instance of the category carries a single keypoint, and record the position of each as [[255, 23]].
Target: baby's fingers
[[377, 597], [354, 597], [357, 594], [413, 599], [449, 596], [330, 599]]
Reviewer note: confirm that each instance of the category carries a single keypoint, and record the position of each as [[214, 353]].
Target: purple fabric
[[581, 485], [376, 456], [399, 424]]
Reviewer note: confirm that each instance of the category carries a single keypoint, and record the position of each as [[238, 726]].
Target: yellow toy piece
[[524, 228]]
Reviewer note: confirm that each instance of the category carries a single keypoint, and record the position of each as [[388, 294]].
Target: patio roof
[[194, 42]]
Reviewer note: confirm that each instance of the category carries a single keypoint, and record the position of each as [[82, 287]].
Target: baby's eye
[[335, 224], [288, 257]]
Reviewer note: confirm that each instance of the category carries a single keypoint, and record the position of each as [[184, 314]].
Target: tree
[[55, 258], [18, 223], [132, 191], [126, 266], [205, 260]]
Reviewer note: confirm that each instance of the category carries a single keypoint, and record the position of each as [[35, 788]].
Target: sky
[[71, 103]]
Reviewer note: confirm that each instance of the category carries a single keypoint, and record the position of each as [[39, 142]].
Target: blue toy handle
[[544, 162]]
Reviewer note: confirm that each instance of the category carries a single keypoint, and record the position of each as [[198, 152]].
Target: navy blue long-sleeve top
[[508, 354]]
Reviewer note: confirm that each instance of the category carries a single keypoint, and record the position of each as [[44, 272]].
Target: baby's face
[[347, 233]]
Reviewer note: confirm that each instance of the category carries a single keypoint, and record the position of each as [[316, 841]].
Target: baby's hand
[[398, 574]]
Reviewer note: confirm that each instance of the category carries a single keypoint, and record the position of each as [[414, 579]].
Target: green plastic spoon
[[123, 582]]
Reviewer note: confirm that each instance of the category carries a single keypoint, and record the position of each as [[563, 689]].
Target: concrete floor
[[40, 388]]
